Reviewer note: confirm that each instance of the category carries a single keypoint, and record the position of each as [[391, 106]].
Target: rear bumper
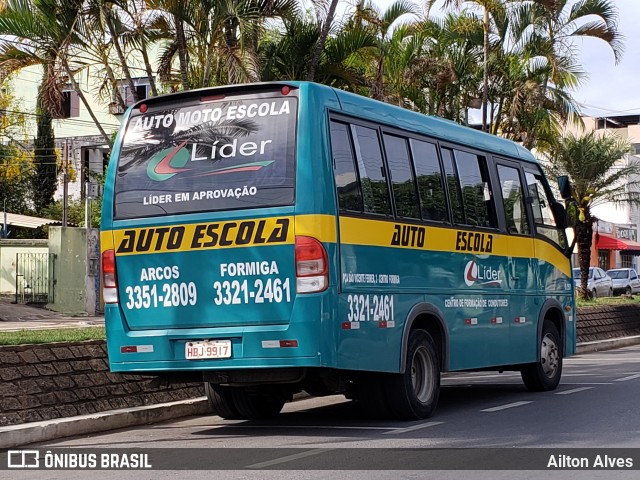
[[252, 347]]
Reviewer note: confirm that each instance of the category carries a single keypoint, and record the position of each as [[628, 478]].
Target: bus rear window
[[194, 157]]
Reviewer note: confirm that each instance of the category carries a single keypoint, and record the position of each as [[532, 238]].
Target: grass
[[28, 337], [599, 302]]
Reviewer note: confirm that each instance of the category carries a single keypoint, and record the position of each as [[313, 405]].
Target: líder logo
[[171, 161], [485, 276]]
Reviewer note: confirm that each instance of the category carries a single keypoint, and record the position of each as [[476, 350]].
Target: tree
[[45, 33], [547, 30], [599, 173], [16, 163], [326, 26], [381, 26]]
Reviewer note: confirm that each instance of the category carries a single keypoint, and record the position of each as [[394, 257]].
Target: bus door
[[522, 262]]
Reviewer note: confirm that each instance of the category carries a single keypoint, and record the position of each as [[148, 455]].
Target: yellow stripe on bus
[[353, 231], [217, 235], [204, 236], [356, 231]]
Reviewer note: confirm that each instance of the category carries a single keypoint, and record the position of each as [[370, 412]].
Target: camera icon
[[23, 459]]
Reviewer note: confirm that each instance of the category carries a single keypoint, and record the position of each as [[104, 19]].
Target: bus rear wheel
[[544, 375], [221, 401], [413, 395], [243, 403]]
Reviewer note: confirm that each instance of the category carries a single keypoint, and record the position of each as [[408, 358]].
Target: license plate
[[207, 349]]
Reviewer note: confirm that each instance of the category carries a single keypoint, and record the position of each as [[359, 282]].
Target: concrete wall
[[8, 251], [76, 269]]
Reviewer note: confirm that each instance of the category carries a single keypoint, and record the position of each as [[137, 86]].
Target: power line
[[608, 110], [78, 120]]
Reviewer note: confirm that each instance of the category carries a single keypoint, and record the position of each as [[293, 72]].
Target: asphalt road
[[596, 407]]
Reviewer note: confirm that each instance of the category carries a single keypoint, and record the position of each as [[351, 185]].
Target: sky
[[609, 89]]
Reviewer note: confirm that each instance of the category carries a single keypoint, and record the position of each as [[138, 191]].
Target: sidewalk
[[15, 317]]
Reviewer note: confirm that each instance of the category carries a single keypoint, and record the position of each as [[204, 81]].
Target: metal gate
[[35, 277]]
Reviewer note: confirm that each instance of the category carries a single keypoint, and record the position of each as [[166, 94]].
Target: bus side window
[[404, 188], [349, 195], [375, 193], [542, 214], [455, 195], [513, 200], [475, 186], [433, 200]]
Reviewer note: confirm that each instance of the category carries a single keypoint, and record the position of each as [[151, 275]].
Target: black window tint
[[374, 185], [235, 153], [513, 200], [429, 178], [476, 192], [454, 185], [542, 213], [349, 197], [404, 189]]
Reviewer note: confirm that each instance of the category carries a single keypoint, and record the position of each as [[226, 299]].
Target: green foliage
[[16, 164], [75, 212], [32, 337], [45, 178]]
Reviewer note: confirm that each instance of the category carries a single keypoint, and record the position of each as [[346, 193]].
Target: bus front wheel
[[413, 395], [544, 375]]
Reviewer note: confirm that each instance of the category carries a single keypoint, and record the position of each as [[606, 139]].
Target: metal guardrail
[[35, 277]]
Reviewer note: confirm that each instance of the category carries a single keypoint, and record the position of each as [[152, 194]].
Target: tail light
[[312, 266], [109, 278]]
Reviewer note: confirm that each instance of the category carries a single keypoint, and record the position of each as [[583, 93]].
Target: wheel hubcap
[[422, 375], [550, 356]]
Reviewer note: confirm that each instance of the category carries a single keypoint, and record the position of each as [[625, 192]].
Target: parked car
[[598, 282], [625, 280]]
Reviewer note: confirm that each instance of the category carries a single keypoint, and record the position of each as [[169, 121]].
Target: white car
[[625, 280], [599, 283]]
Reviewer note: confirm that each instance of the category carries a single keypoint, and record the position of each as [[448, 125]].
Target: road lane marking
[[504, 407], [327, 427], [398, 431], [630, 377], [575, 390], [290, 458], [587, 383]]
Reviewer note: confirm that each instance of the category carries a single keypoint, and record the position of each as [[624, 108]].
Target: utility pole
[[65, 180], [4, 227]]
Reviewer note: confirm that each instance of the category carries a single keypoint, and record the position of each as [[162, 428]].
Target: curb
[[23, 434], [602, 345]]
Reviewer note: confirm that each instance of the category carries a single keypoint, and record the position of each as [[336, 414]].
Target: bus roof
[[391, 115]]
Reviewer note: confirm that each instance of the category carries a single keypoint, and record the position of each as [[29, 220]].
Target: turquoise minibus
[[273, 238]]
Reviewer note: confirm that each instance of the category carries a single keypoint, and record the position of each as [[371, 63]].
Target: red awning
[[609, 242]]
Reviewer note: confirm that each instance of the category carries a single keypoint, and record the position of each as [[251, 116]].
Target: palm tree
[[326, 26], [45, 33], [381, 26], [599, 173], [445, 70], [287, 55], [490, 7], [547, 30]]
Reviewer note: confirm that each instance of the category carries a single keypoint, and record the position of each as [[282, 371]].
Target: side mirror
[[564, 185], [560, 214]]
